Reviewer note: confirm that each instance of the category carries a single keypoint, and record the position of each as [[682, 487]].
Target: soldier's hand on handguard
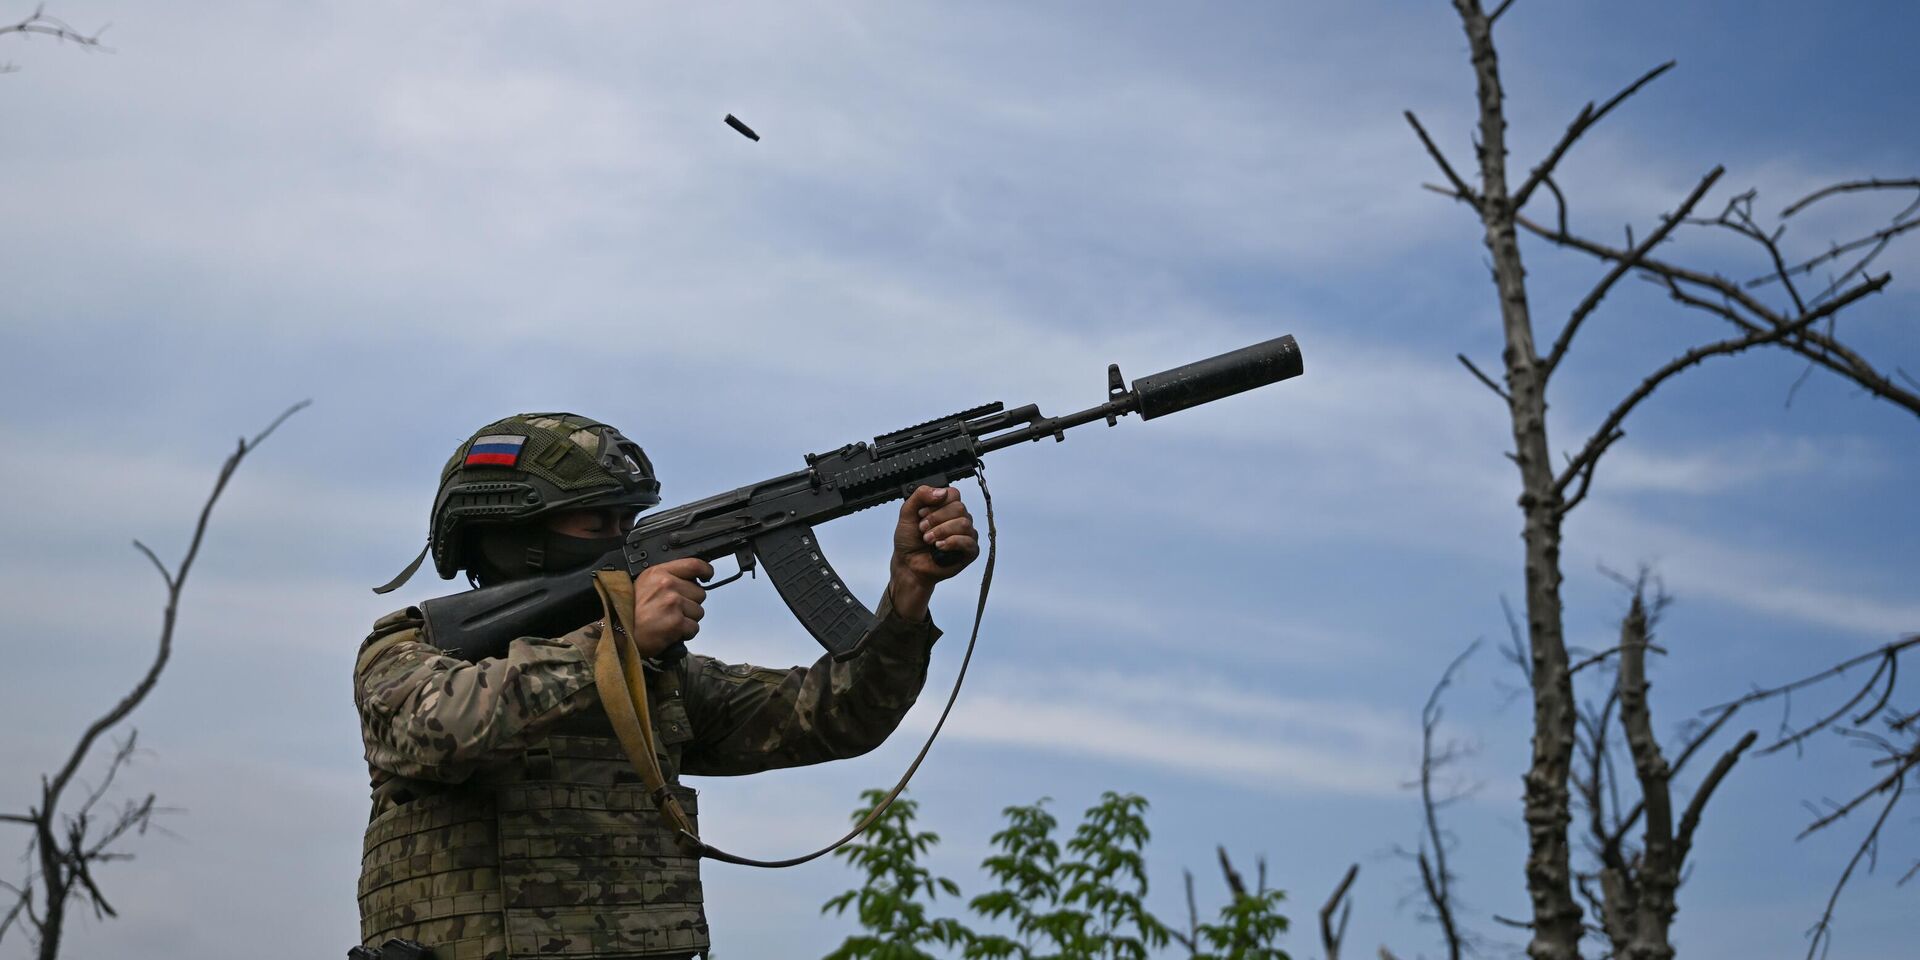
[[666, 604], [933, 518]]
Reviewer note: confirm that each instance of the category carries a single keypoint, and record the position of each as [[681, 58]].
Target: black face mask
[[519, 552], [562, 553]]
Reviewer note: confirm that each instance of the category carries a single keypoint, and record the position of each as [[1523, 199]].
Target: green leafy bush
[[1085, 901], [889, 905]]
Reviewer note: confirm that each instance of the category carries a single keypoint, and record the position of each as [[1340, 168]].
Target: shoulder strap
[[620, 677]]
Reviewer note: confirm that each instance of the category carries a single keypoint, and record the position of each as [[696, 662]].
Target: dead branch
[[1749, 314], [38, 23], [1190, 939], [1625, 264], [1609, 429], [1517, 653], [1690, 820], [1887, 651], [1460, 189], [1582, 122], [65, 846], [1638, 888], [1850, 186], [1483, 378], [1902, 759], [1331, 934], [1435, 878], [1235, 882], [1820, 934]]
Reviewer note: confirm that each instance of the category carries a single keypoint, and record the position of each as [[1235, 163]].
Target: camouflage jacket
[[508, 822], [425, 715]]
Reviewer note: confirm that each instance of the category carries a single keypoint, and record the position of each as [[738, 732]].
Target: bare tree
[[1635, 900], [1630, 888], [65, 847], [1770, 310], [1430, 854]]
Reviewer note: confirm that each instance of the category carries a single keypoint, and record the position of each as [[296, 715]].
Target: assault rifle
[[771, 523]]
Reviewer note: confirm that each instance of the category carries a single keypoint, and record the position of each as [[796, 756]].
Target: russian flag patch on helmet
[[500, 450]]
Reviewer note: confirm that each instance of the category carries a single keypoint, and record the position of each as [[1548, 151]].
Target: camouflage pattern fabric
[[507, 821]]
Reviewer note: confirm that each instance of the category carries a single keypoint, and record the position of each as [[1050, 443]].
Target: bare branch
[[23, 901], [39, 23], [1435, 877], [1586, 473], [1234, 881], [1559, 200], [1886, 664], [1502, 394], [174, 585], [1625, 264], [1436, 888], [1877, 239], [1331, 934], [1690, 820], [1190, 939], [1460, 188], [1893, 781], [1892, 649], [1848, 187], [1605, 435], [165, 576], [1518, 652], [1807, 342], [1582, 122], [1822, 930], [1609, 652]]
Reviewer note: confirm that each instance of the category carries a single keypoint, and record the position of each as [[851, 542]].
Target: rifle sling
[[620, 677]]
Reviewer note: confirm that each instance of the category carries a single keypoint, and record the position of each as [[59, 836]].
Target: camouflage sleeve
[[746, 719], [427, 715]]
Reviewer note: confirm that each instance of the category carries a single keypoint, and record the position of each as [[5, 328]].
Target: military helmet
[[530, 465]]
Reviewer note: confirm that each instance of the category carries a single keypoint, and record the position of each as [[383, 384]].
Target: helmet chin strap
[[404, 575]]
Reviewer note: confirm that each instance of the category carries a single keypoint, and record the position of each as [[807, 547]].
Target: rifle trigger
[[744, 558]]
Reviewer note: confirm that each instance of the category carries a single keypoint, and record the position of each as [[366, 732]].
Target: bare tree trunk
[[1556, 914], [1650, 905]]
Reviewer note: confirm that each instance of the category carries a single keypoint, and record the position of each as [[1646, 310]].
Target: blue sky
[[426, 216]]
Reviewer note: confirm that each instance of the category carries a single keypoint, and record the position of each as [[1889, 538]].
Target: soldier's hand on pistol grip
[[666, 604], [933, 518]]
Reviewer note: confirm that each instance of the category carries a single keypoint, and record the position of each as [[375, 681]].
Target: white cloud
[[1758, 579], [1731, 465], [1196, 725]]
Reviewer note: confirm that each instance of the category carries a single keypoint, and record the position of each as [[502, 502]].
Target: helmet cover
[[530, 465]]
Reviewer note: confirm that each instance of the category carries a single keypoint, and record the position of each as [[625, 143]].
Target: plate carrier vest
[[558, 853]]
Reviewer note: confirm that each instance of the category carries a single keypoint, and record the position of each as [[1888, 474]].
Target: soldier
[[507, 821]]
